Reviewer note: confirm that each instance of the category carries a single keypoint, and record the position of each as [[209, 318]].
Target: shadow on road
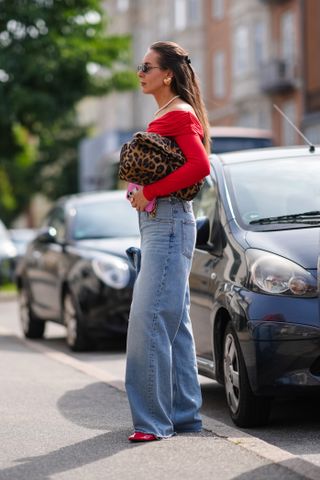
[[43, 467]]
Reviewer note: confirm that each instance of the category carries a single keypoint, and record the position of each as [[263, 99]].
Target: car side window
[[57, 221], [205, 204]]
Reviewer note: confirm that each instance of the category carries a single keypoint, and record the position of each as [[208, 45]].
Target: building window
[[122, 5], [180, 14], [219, 74], [193, 12], [288, 132], [218, 9], [288, 37], [260, 42], [186, 12], [241, 51]]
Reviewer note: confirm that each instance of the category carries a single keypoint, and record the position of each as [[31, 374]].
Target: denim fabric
[[161, 373]]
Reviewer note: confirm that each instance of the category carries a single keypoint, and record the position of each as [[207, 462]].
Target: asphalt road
[[293, 432]]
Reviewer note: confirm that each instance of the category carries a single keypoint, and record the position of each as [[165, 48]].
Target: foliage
[[49, 50]]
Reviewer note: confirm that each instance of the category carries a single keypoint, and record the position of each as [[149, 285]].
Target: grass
[[8, 287]]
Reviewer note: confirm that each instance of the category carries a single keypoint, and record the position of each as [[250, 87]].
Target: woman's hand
[[139, 201]]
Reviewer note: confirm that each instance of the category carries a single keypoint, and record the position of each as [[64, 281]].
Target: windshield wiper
[[306, 217]]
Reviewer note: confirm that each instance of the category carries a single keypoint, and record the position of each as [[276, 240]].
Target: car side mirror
[[47, 235], [203, 232]]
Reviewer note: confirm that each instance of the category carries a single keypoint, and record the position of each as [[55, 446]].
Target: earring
[[167, 81]]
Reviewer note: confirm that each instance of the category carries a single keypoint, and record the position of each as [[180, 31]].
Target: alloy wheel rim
[[70, 320], [231, 373]]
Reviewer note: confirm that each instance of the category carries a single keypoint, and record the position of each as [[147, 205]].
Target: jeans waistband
[[172, 199], [186, 204]]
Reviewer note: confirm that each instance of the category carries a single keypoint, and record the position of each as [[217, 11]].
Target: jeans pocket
[[188, 238]]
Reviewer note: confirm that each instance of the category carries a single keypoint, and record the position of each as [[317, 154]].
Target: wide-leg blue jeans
[[161, 373]]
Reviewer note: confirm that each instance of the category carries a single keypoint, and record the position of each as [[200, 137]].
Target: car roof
[[239, 132], [265, 154], [91, 197]]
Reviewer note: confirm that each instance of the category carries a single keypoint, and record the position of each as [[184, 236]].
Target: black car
[[254, 295], [76, 271]]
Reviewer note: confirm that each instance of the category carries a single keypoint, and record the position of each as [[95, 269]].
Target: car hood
[[117, 246], [299, 245]]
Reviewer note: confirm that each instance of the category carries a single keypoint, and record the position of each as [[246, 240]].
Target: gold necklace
[[165, 106]]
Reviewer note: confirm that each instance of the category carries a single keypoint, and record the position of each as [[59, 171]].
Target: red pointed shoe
[[143, 437]]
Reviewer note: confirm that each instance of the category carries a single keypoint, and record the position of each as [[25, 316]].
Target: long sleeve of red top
[[187, 131]]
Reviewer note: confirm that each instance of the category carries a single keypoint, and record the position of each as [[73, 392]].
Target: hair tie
[[187, 59]]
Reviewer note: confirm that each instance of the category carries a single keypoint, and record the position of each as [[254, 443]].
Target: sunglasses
[[145, 68]]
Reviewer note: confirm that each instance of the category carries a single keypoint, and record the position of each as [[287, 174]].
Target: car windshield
[[276, 191], [105, 219]]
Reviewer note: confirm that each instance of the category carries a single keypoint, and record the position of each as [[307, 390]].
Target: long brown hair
[[185, 82]]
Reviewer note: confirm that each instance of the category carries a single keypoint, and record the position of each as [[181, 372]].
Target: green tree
[[48, 51]]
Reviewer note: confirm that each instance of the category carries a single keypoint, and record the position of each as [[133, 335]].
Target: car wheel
[[246, 409], [32, 327], [76, 335]]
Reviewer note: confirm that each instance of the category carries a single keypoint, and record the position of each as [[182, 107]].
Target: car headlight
[[113, 271], [270, 273]]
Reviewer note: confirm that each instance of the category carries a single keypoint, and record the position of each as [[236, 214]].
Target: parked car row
[[254, 292]]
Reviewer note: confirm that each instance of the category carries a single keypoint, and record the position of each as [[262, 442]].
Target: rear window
[[231, 144]]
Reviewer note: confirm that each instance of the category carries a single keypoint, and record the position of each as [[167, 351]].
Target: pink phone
[[132, 188]]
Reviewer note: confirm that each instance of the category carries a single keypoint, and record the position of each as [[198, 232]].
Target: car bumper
[[286, 364], [105, 311], [282, 345]]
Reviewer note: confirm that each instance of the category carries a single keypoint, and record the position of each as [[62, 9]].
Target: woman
[[161, 373]]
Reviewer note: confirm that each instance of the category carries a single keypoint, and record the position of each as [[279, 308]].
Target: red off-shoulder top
[[187, 131]]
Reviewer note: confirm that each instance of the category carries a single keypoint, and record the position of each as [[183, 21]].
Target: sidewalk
[[60, 423], [6, 296]]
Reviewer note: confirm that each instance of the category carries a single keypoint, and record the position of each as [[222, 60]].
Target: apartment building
[[237, 40], [311, 65], [255, 58], [249, 55], [282, 75]]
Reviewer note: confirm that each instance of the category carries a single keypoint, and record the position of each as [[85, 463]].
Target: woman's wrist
[[149, 196]]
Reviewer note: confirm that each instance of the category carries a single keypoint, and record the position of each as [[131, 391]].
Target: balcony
[[278, 76]]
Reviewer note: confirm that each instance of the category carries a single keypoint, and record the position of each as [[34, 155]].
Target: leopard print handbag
[[148, 157]]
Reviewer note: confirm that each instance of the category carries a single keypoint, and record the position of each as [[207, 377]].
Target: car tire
[[32, 327], [246, 409], [76, 335]]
